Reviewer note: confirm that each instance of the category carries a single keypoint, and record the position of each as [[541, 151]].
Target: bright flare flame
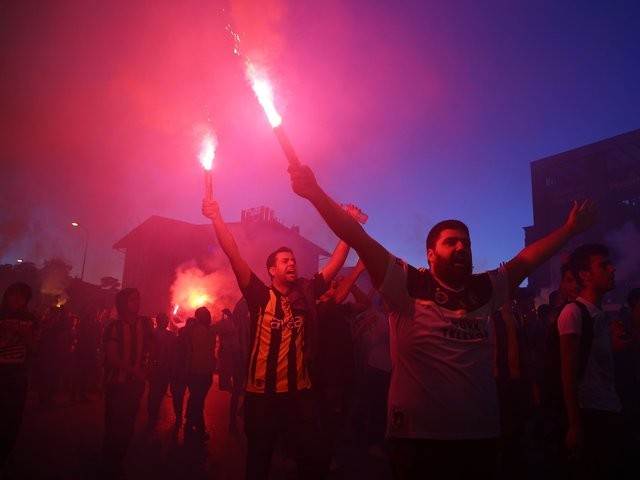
[[192, 289], [259, 82], [207, 150], [175, 309], [262, 88], [198, 299]]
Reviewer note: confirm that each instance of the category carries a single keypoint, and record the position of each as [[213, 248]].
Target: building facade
[[607, 172], [164, 255]]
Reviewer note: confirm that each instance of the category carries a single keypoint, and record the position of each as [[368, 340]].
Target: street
[[63, 441]]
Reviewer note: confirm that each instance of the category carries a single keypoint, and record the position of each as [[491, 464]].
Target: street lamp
[[86, 244]]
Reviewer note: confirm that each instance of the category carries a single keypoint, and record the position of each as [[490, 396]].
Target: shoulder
[[419, 280], [254, 290], [255, 284], [398, 270], [569, 319], [314, 286], [571, 309], [498, 278]]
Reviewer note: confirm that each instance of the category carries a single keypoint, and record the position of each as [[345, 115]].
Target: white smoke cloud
[[625, 244]]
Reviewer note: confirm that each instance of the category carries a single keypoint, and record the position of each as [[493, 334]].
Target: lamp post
[[86, 244]]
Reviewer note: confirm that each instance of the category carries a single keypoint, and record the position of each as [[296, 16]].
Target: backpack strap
[[586, 338]]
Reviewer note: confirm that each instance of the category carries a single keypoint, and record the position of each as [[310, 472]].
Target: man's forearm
[[336, 261], [342, 224], [230, 248], [225, 239], [534, 255], [342, 292]]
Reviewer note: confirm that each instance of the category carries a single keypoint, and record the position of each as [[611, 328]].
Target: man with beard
[[443, 418], [279, 404]]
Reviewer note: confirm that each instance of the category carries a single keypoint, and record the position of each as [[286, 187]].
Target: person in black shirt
[[278, 401], [17, 343]]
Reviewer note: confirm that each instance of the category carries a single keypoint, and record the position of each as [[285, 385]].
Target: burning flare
[[206, 156], [264, 92], [207, 150], [259, 82]]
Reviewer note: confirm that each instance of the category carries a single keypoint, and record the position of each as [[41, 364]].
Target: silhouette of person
[[279, 403], [178, 385], [232, 366], [596, 433], [18, 343], [442, 396], [162, 365], [200, 365], [128, 341]]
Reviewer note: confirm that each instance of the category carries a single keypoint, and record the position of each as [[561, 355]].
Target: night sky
[[414, 110]]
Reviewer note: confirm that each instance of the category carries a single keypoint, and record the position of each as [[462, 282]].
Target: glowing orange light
[[192, 289], [198, 299]]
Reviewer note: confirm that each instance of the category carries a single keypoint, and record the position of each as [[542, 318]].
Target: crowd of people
[[115, 355], [440, 371]]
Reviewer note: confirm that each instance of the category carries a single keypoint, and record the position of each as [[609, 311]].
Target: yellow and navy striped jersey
[[134, 345], [280, 334]]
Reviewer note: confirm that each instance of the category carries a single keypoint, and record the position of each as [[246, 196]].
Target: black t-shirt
[[14, 351]]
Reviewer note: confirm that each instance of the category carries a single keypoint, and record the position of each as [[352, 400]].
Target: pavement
[[63, 441]]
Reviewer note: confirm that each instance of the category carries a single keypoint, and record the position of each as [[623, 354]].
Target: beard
[[453, 271]]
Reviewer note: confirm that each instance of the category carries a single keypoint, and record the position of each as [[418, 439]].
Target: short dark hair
[[271, 259], [437, 229], [580, 258], [19, 288], [203, 316], [633, 297], [122, 297]]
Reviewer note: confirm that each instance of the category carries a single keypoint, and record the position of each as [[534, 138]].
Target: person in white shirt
[[442, 415], [596, 433]]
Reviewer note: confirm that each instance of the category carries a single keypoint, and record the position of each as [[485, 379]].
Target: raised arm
[[374, 256], [341, 251], [343, 289], [581, 217], [241, 269], [336, 261]]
